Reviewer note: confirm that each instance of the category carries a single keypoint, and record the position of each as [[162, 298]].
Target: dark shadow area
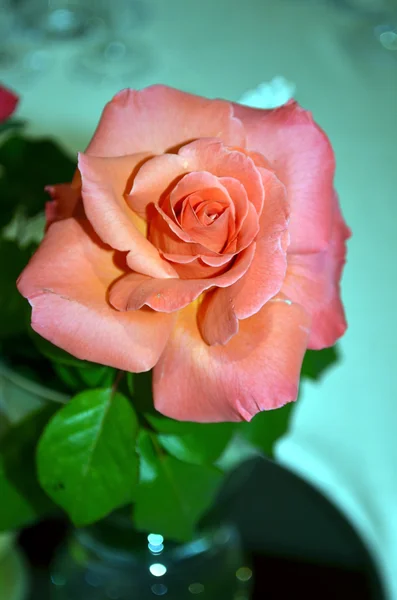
[[303, 545]]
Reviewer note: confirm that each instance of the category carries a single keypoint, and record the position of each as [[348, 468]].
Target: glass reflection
[[157, 569]]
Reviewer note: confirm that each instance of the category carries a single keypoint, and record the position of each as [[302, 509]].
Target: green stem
[[117, 381]]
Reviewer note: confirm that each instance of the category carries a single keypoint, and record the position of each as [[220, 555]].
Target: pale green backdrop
[[344, 435]]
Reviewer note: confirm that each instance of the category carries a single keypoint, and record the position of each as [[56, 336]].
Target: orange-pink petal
[[216, 158], [313, 280], [264, 278], [66, 283], [216, 318], [214, 237], [154, 179], [103, 184], [159, 118], [133, 291], [257, 370], [302, 157]]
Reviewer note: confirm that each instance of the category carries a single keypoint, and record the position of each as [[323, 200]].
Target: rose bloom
[[199, 238], [8, 103]]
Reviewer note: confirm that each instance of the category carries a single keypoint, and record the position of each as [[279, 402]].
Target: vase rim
[[220, 534]]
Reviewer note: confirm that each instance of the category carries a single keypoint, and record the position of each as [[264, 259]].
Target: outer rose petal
[[133, 291], [103, 184], [66, 283], [263, 279], [8, 103], [258, 369], [159, 118], [303, 159], [313, 281]]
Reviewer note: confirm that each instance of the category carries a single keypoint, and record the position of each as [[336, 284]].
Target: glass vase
[[110, 560]]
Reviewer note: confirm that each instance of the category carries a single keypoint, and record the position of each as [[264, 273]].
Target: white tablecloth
[[343, 437]]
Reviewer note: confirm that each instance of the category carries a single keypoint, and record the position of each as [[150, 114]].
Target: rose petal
[[267, 271], [103, 184], [216, 261], [198, 269], [303, 159], [248, 232], [8, 103], [257, 370], [163, 233], [214, 236], [206, 185], [216, 158], [232, 192], [313, 281], [66, 283], [133, 291], [159, 118], [157, 176], [216, 318], [265, 276], [240, 200], [182, 259]]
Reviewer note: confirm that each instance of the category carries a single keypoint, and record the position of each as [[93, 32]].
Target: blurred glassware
[[377, 28], [56, 19], [21, 57], [110, 560], [116, 55]]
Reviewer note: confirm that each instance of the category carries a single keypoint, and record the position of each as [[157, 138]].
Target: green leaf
[[86, 458], [68, 376], [172, 495], [14, 309], [97, 375], [28, 166], [267, 427], [148, 458], [75, 373], [22, 501], [316, 362], [11, 125], [91, 375], [25, 231], [197, 443], [130, 383]]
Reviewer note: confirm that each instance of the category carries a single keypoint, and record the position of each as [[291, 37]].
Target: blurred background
[[66, 58]]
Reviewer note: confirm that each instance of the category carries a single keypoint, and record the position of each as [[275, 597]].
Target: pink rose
[[8, 103], [200, 238]]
